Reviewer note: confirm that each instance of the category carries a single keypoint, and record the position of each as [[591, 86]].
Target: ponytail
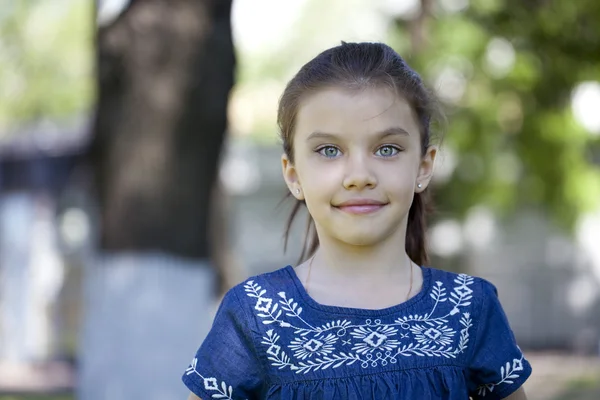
[[311, 239], [416, 241]]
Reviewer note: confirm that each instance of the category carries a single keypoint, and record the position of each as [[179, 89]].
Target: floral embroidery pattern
[[508, 373], [374, 338], [373, 342], [211, 384], [305, 348], [426, 335]]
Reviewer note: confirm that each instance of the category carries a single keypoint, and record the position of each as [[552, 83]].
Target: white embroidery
[[508, 372], [306, 347], [374, 338], [211, 384], [372, 343], [426, 335]]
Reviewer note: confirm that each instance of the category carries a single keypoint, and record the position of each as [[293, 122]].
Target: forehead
[[337, 110]]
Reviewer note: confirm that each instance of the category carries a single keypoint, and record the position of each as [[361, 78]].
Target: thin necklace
[[309, 269], [410, 287], [411, 280]]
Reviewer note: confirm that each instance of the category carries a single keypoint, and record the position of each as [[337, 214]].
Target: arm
[[518, 395], [193, 397]]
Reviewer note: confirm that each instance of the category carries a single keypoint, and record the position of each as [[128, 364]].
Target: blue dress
[[271, 340]]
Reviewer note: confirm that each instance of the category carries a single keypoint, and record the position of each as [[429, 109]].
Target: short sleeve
[[225, 366], [497, 366]]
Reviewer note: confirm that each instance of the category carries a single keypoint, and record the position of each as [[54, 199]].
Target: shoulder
[[477, 290], [240, 306], [254, 291], [274, 279], [454, 278]]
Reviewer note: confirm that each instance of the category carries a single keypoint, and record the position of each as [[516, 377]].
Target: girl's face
[[357, 163]]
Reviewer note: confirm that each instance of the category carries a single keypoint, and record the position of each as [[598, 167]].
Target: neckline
[[312, 303]]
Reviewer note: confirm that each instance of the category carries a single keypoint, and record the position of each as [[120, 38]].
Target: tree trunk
[[165, 69], [417, 28]]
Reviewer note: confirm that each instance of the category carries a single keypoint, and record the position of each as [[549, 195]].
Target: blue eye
[[387, 151], [329, 151]]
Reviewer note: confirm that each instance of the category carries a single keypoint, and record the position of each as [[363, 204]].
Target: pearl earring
[[297, 191], [419, 185]]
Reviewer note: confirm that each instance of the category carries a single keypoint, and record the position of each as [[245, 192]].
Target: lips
[[361, 206]]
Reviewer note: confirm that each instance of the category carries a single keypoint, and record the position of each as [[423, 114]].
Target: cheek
[[403, 171], [400, 184], [315, 174], [322, 182]]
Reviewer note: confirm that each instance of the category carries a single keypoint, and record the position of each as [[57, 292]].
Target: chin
[[362, 238], [361, 232]]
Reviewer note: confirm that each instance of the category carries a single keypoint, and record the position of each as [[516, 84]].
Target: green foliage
[[514, 134], [45, 60]]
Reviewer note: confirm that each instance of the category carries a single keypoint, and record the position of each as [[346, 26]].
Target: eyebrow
[[393, 131]]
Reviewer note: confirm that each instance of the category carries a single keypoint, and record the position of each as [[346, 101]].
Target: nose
[[358, 174]]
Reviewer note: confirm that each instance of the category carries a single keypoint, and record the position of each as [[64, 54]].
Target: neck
[[367, 263]]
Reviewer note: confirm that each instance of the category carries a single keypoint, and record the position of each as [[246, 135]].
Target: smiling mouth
[[360, 208]]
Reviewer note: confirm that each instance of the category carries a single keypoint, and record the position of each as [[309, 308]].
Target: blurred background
[[140, 174]]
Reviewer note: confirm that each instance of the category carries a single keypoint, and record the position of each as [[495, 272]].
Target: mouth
[[361, 206]]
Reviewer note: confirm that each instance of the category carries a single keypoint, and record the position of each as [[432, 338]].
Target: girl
[[362, 317]]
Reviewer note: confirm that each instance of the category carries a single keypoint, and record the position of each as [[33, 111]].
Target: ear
[[426, 167], [291, 177]]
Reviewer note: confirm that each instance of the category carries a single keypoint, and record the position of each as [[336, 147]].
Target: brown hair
[[356, 66]]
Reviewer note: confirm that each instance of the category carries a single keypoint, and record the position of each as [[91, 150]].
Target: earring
[[419, 185], [297, 191]]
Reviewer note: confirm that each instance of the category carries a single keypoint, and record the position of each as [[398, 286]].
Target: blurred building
[[37, 167]]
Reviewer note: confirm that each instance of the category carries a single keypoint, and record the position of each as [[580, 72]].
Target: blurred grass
[[582, 388], [36, 397]]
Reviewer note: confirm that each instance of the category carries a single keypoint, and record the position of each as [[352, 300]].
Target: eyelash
[[396, 148]]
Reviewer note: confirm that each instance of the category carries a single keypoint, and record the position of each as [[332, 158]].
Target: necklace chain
[[306, 283]]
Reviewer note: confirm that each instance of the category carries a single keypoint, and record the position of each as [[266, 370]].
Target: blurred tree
[[164, 75], [505, 71], [165, 70], [45, 61]]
